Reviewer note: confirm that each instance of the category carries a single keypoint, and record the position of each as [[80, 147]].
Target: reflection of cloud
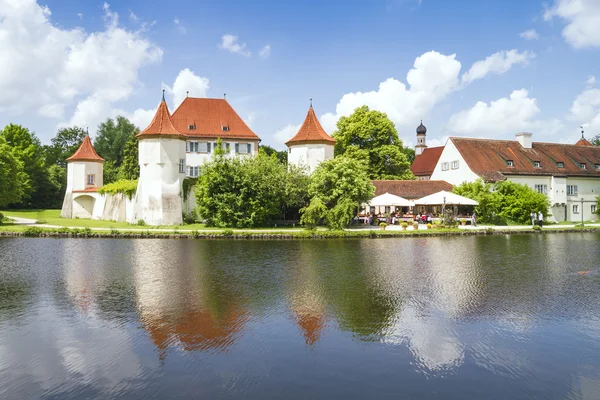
[[432, 340], [52, 355]]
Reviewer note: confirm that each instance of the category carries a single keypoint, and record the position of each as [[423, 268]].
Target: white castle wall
[[309, 155]]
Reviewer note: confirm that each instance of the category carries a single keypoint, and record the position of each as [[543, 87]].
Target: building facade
[[311, 145], [568, 174], [425, 157]]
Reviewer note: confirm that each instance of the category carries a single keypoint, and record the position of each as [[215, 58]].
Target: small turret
[[421, 139]]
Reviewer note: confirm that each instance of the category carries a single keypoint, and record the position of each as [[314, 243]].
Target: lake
[[491, 317]]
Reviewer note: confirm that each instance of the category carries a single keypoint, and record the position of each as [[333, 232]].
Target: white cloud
[[497, 63], [591, 81], [80, 15], [586, 111], [50, 69], [285, 134], [502, 116], [582, 18], [180, 28], [132, 16], [230, 43], [186, 81], [265, 52], [530, 34]]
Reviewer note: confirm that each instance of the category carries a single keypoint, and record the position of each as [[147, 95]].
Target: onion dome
[[421, 130]]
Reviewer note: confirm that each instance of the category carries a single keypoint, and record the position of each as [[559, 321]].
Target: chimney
[[525, 139]]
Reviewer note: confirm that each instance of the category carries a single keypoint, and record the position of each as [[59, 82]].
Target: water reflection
[[143, 318]]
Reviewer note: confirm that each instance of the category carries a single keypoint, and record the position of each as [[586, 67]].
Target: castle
[[173, 147]]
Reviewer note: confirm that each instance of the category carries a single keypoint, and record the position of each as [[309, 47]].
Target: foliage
[[504, 202], [190, 217], [383, 224], [282, 155], [234, 192], [13, 179], [112, 135], [596, 140], [296, 190], [64, 144], [536, 228], [313, 214], [341, 185], [188, 185], [598, 205], [127, 187], [130, 167], [371, 136], [111, 172]]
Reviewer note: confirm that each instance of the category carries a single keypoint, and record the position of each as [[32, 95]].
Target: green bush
[[537, 228], [190, 217], [32, 231], [404, 225], [141, 222], [227, 232], [1, 218], [125, 186], [382, 224]]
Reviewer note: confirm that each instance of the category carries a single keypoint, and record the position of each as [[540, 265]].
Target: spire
[[187, 94], [311, 102], [163, 99], [582, 132], [86, 152], [225, 96], [162, 124], [311, 131]]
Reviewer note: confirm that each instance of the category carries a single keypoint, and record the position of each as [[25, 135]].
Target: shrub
[[382, 225], [463, 221], [1, 218], [32, 231], [190, 217], [141, 222], [410, 221], [87, 231], [404, 225], [227, 232], [416, 225], [537, 228], [490, 230], [125, 186]]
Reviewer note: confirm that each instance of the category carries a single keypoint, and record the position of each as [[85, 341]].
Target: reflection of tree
[[14, 296]]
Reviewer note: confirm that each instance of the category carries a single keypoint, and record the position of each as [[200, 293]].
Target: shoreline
[[34, 232]]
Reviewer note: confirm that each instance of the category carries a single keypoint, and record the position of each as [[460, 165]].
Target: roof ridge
[[311, 130]]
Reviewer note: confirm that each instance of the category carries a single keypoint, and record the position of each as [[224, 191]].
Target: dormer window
[[560, 164], [225, 129], [597, 167], [510, 163], [191, 127], [537, 164], [582, 165]]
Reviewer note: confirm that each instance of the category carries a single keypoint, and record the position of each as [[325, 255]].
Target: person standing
[[533, 218], [540, 219], [474, 223]]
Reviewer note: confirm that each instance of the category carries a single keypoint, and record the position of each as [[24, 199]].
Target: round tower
[[311, 145], [158, 199], [421, 139]]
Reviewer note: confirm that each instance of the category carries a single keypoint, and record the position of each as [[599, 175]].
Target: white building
[[568, 174], [311, 145]]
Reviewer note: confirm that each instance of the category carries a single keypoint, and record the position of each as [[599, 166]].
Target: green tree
[[240, 193], [111, 172], [112, 135], [282, 156], [13, 179], [370, 135], [341, 184], [596, 140], [64, 144], [130, 167]]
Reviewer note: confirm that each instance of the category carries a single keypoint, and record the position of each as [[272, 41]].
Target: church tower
[[311, 145], [158, 199], [421, 139]]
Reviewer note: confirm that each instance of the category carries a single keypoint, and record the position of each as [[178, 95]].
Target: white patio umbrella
[[444, 197], [388, 199]]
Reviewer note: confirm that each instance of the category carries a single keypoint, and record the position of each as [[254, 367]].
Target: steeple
[[421, 139], [162, 124], [86, 152], [311, 131], [583, 141]]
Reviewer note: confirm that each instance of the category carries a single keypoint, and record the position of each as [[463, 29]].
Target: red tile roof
[[425, 163], [583, 142], [410, 189], [311, 131], [161, 125], [488, 158], [210, 117], [86, 152]]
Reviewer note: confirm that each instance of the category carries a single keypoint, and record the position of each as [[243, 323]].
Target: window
[[192, 147], [582, 165], [191, 127], [203, 147], [510, 163], [455, 164], [225, 129], [543, 189], [593, 209], [243, 148], [445, 166], [560, 164], [193, 172], [91, 179], [181, 166], [575, 208], [597, 167], [537, 164], [571, 190]]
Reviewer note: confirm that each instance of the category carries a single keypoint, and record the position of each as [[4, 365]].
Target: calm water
[[473, 317]]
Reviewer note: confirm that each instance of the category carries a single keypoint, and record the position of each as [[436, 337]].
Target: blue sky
[[483, 69]]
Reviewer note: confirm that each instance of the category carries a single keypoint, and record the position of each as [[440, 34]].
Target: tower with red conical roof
[[85, 174], [158, 199], [311, 145]]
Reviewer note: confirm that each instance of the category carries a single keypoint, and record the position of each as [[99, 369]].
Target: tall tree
[[112, 135], [130, 167], [596, 140], [13, 179], [369, 135], [337, 189], [64, 144], [27, 148], [282, 155]]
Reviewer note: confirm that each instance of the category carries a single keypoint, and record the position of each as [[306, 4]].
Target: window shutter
[[249, 148], [187, 147], [237, 147], [208, 147]]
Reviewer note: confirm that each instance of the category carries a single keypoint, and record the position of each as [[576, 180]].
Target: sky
[[485, 69]]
